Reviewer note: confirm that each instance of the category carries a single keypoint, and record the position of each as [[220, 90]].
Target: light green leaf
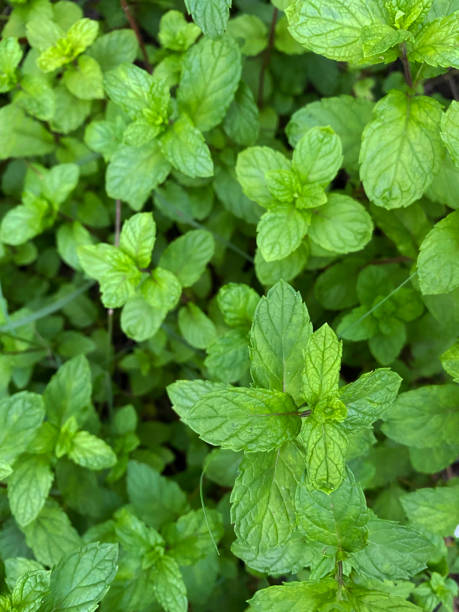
[[323, 364], [51, 535], [385, 347], [237, 303], [280, 232], [185, 148], [342, 225], [10, 56], [129, 87], [5, 470], [188, 256], [295, 596], [195, 326], [251, 168], [91, 452], [440, 251], [450, 361], [250, 32], [450, 130], [68, 393], [133, 173], [210, 15], [346, 115], [188, 540], [156, 499], [401, 149], [262, 508], [228, 357], [380, 601], [85, 79], [114, 270], [21, 415], [271, 272], [80, 580], [338, 519], [161, 290], [210, 78], [185, 393], [29, 591], [242, 123], [326, 445], [28, 487], [435, 510], [59, 182], [140, 320], [370, 397], [168, 585], [21, 136], [318, 156], [114, 48], [137, 238], [70, 112], [280, 333], [175, 33], [334, 29], [404, 13], [36, 97], [393, 551], [426, 416], [437, 44], [22, 223], [244, 419]]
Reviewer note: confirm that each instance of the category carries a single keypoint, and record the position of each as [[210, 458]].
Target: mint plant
[[229, 305]]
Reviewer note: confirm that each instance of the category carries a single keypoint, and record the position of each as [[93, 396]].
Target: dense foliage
[[245, 215]]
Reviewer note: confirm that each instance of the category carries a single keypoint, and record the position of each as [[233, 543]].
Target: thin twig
[[117, 222], [266, 58], [406, 67], [135, 29], [110, 313]]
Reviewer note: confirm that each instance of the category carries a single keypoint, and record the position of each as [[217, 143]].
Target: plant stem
[[266, 58], [406, 67], [117, 222], [136, 30]]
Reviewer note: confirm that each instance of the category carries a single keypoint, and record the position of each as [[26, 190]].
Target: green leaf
[[68, 393], [318, 156], [404, 13], [280, 232], [10, 56], [168, 585], [228, 357], [295, 596], [450, 361], [133, 173], [28, 487], [342, 225], [237, 303], [440, 250], [185, 148], [188, 540], [51, 535], [210, 15], [242, 123], [323, 364], [370, 397], [401, 149], [450, 130], [185, 393], [262, 508], [196, 327], [385, 347], [114, 48], [269, 273], [434, 510], [346, 115], [155, 498], [426, 416], [210, 78], [175, 33], [129, 87], [333, 30], [21, 136], [280, 333], [36, 97], [67, 48], [338, 519], [70, 112], [380, 601], [137, 238], [21, 415], [91, 452], [251, 168], [326, 445], [437, 43], [393, 551], [244, 419], [188, 256], [59, 182], [251, 33], [85, 80], [29, 591], [81, 579]]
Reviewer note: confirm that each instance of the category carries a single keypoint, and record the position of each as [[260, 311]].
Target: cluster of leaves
[[268, 192]]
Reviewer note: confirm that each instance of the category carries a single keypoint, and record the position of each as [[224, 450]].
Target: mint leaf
[[326, 445], [450, 361], [393, 551], [244, 419], [308, 595], [401, 149], [188, 540], [21, 415], [342, 225], [323, 364], [114, 48], [440, 248], [333, 30], [168, 585], [280, 332], [196, 327], [28, 487], [210, 15], [252, 166], [85, 80], [437, 43], [137, 238], [280, 232], [241, 122], [449, 130], [318, 156], [188, 256], [338, 519], [228, 357], [237, 303], [91, 452], [262, 508], [10, 56], [379, 601], [80, 580], [434, 510], [175, 33], [210, 78]]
